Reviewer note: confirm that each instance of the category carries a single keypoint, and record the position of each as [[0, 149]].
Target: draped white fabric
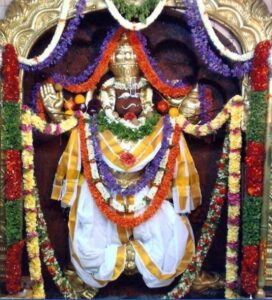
[[95, 242]]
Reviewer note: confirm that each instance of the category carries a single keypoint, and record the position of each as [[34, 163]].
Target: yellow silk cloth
[[185, 189]]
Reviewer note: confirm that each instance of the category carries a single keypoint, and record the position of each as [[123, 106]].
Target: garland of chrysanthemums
[[255, 155], [209, 227], [11, 144], [166, 88], [234, 109], [115, 217], [35, 223], [30, 205]]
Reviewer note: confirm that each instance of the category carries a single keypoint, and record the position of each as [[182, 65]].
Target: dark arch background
[[170, 43]]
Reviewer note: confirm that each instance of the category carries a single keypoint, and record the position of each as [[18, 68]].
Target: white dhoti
[[163, 245]]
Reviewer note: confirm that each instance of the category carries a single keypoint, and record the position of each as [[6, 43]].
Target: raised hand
[[53, 102]]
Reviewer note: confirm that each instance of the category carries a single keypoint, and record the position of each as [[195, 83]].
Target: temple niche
[[142, 166]]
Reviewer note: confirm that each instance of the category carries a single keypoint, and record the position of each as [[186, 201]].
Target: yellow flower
[[30, 201], [31, 221], [233, 232], [234, 211], [27, 139], [33, 246], [38, 123], [35, 268], [38, 291]]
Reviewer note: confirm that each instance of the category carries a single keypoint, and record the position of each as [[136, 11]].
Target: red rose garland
[[11, 74], [255, 156], [13, 169]]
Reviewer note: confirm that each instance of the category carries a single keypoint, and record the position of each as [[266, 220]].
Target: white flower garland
[[212, 35], [52, 45], [132, 208], [108, 102], [132, 25]]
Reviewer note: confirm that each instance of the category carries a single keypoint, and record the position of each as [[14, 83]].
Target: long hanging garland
[[209, 227], [35, 224], [255, 156], [11, 145]]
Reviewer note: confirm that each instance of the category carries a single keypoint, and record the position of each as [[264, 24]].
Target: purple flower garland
[[150, 170], [201, 42], [205, 105], [72, 80], [34, 92], [64, 42], [154, 64]]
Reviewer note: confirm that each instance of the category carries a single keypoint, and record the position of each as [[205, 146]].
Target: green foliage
[[12, 138], [14, 221], [257, 117], [124, 133], [251, 220], [134, 12]]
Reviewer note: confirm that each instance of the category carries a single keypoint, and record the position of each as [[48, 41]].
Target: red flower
[[127, 158], [130, 116], [219, 200]]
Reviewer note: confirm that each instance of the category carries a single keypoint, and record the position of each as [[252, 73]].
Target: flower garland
[[150, 170], [112, 215], [94, 155], [216, 42], [255, 155], [52, 128], [213, 125], [124, 133], [234, 200], [50, 260], [100, 70], [206, 104], [34, 217], [30, 205], [146, 64], [233, 108], [74, 80], [201, 42], [208, 229], [166, 88], [11, 144], [60, 41], [131, 11]]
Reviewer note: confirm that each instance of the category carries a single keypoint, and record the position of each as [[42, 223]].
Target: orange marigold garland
[[150, 73], [129, 221], [101, 69]]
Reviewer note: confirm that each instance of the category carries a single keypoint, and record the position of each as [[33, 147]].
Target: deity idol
[[129, 145]]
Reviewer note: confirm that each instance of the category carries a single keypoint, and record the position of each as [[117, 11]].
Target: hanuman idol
[[118, 220]]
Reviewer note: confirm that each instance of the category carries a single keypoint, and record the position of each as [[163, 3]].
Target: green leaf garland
[[124, 133], [133, 12], [14, 221], [256, 121], [251, 220], [11, 126]]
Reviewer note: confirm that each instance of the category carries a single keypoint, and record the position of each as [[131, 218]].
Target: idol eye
[[128, 55], [119, 56]]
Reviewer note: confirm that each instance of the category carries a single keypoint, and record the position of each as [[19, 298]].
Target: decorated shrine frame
[[26, 21]]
